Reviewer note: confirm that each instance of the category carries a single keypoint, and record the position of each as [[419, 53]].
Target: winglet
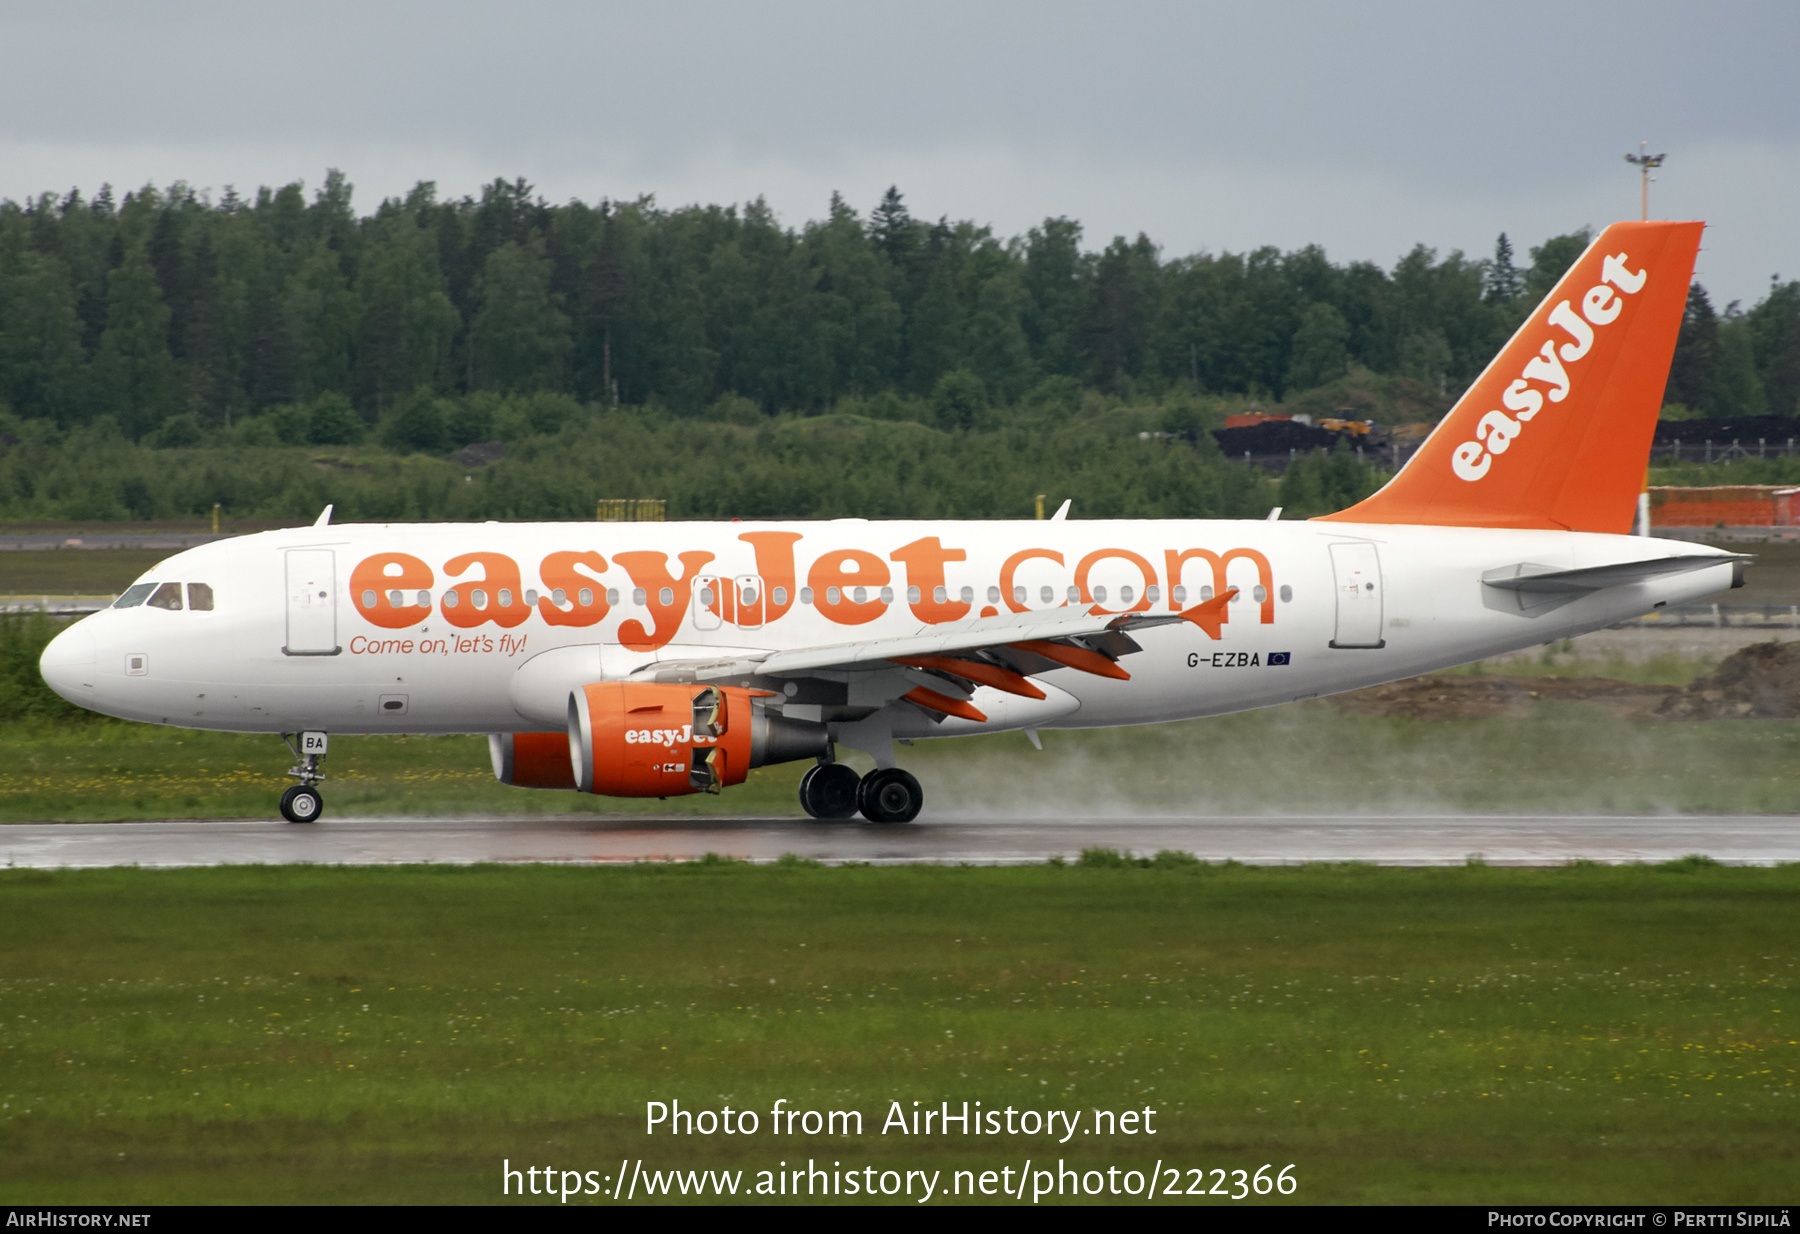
[[324, 519], [1062, 511], [1210, 615]]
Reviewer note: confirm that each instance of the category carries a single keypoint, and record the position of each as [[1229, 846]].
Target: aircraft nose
[[68, 664]]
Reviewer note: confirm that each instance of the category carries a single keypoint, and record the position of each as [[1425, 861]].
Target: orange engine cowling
[[643, 739], [532, 760]]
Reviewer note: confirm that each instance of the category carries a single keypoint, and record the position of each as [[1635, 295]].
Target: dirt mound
[[1479, 698], [1274, 437], [1761, 682]]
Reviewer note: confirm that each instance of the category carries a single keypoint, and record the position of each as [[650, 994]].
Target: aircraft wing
[[973, 635], [1001, 651]]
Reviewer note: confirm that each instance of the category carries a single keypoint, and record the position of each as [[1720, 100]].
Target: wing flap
[[965, 636]]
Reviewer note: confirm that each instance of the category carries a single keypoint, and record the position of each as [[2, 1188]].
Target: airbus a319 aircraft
[[657, 659]]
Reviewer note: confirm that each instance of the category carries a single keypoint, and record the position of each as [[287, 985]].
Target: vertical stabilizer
[[1556, 432]]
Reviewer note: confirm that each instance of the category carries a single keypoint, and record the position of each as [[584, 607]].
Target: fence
[[1722, 451], [1722, 617], [630, 510], [1390, 457], [70, 606]]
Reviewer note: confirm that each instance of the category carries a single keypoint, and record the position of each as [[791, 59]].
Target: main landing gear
[[303, 803], [832, 791]]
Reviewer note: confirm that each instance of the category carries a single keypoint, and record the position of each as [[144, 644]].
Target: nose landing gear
[[832, 791], [303, 803]]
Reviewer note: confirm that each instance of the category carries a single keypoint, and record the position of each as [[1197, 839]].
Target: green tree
[[857, 320], [606, 293], [417, 424], [520, 337], [1694, 371], [1118, 313], [332, 421], [937, 336], [892, 229], [1054, 284], [408, 321], [1425, 357], [998, 349], [1320, 353], [323, 318], [1504, 281], [959, 400], [1552, 259], [1738, 390], [1321, 483], [135, 375], [41, 360], [1775, 335]]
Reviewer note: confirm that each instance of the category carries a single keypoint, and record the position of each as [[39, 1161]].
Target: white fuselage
[[273, 656]]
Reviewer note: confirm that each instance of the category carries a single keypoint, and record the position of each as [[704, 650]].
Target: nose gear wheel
[[302, 804]]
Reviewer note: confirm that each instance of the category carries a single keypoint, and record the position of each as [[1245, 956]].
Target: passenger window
[[200, 597], [134, 595], [167, 596]]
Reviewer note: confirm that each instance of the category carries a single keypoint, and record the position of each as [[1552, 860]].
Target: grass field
[[75, 572], [1468, 1035], [1300, 758]]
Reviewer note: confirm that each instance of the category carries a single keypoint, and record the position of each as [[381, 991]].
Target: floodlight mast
[[1646, 163]]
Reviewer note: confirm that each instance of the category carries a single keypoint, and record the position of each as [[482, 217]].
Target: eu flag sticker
[[1278, 657]]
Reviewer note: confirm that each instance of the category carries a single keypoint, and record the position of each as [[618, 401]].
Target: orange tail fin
[[1556, 432]]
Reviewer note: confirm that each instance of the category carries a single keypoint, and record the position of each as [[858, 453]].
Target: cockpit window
[[167, 596], [134, 595], [200, 597]]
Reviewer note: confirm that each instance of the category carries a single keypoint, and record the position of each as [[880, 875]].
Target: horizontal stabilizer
[[1551, 581]]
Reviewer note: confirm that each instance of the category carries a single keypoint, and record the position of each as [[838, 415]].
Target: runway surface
[[1421, 840]]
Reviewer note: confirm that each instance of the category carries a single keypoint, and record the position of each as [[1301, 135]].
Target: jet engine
[[643, 739], [532, 760]]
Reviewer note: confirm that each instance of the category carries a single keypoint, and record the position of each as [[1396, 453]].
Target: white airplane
[[657, 659]]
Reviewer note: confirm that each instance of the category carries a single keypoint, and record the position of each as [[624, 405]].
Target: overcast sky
[[1364, 128]]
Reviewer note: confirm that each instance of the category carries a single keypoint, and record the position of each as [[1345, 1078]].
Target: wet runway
[[1419, 840]]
